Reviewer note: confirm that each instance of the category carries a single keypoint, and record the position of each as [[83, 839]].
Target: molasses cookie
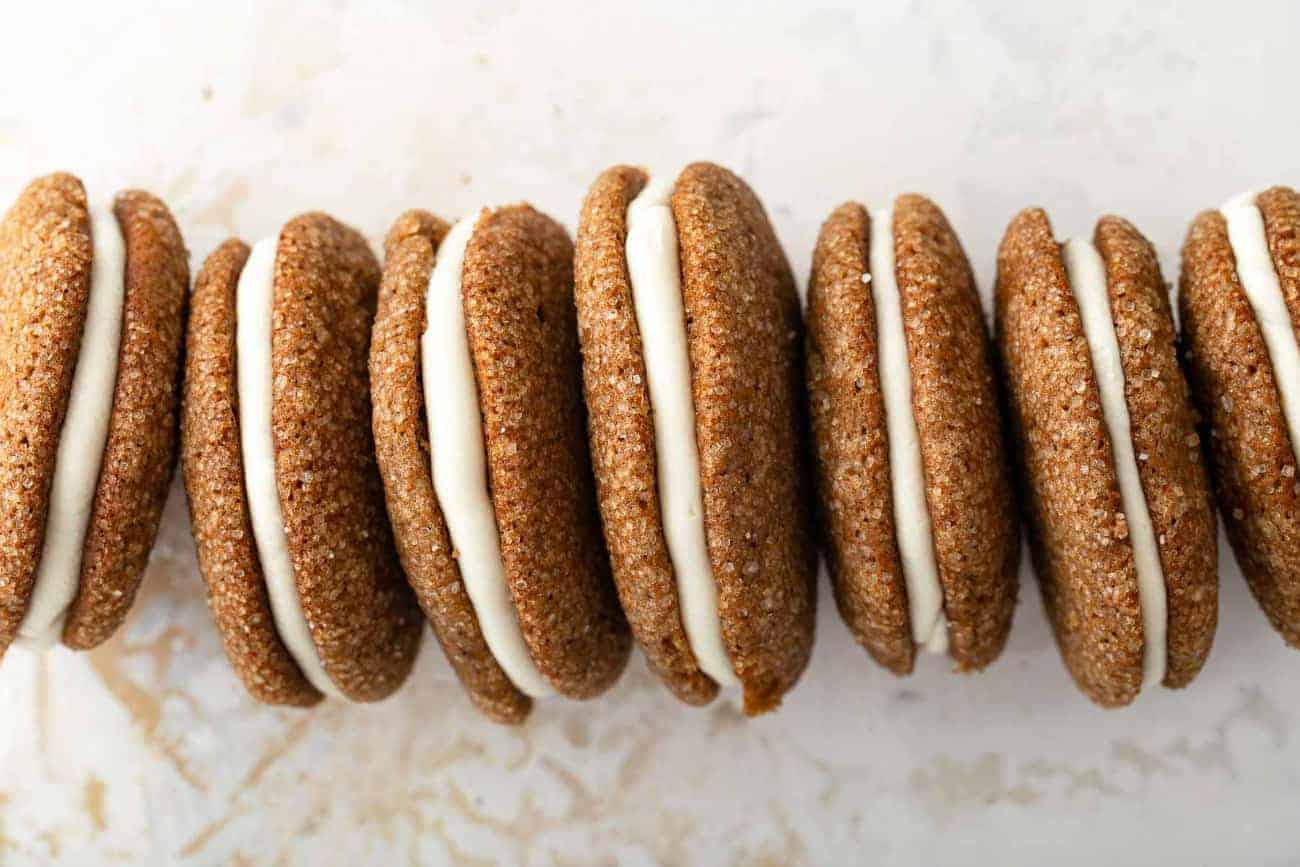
[[479, 427], [1115, 493], [92, 290], [920, 528], [1239, 302], [692, 354], [285, 501]]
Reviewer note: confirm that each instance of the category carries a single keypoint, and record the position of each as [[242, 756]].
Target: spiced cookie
[[93, 294], [1239, 302], [285, 500], [1115, 493], [919, 522], [692, 354], [479, 426]]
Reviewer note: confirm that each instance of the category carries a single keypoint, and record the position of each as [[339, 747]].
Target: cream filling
[[1259, 281], [253, 313], [1087, 275], [655, 277], [82, 437], [459, 460], [906, 472]]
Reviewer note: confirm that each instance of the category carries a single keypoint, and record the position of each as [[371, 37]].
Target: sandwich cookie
[[1239, 303], [93, 294], [692, 353], [479, 427], [1115, 493], [285, 501], [919, 520]]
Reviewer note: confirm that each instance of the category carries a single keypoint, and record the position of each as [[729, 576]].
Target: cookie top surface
[[622, 435], [519, 314], [1071, 493], [359, 608], [954, 401], [214, 482], [45, 261], [402, 448], [1237, 394], [140, 454], [745, 340]]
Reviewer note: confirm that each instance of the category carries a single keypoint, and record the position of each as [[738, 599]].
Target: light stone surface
[[241, 114]]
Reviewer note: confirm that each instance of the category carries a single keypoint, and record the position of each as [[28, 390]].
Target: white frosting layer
[[1259, 281], [906, 473], [459, 459], [1087, 275], [253, 302], [82, 437], [655, 275]]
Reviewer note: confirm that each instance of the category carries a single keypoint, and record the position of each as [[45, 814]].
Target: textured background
[[241, 114]]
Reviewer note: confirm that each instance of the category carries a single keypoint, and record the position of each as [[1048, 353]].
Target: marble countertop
[[242, 113]]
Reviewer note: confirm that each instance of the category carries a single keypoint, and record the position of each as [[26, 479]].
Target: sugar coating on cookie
[[654, 272], [906, 472], [82, 438], [1087, 277], [254, 297], [459, 462], [1260, 283]]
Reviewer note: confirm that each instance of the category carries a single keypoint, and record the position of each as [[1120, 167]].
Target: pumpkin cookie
[[920, 528], [285, 501], [93, 291], [479, 427], [692, 354], [1239, 302], [1116, 498]]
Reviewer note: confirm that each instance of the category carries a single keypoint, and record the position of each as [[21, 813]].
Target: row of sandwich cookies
[[648, 415]]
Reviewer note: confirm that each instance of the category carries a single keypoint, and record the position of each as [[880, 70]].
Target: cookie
[[92, 292], [1239, 304], [914, 485], [480, 432], [692, 344], [1114, 488], [285, 500]]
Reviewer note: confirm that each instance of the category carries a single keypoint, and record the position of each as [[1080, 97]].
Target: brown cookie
[[1233, 380], [517, 296], [1079, 530], [46, 256], [364, 627], [744, 341], [968, 492]]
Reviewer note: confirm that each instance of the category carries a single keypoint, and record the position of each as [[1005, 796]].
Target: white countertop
[[242, 114]]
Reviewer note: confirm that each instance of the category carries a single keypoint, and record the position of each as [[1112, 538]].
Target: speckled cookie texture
[[45, 259], [1078, 531], [213, 467], [360, 611], [955, 403], [622, 436], [140, 454], [744, 331], [1253, 457], [523, 339], [402, 446]]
